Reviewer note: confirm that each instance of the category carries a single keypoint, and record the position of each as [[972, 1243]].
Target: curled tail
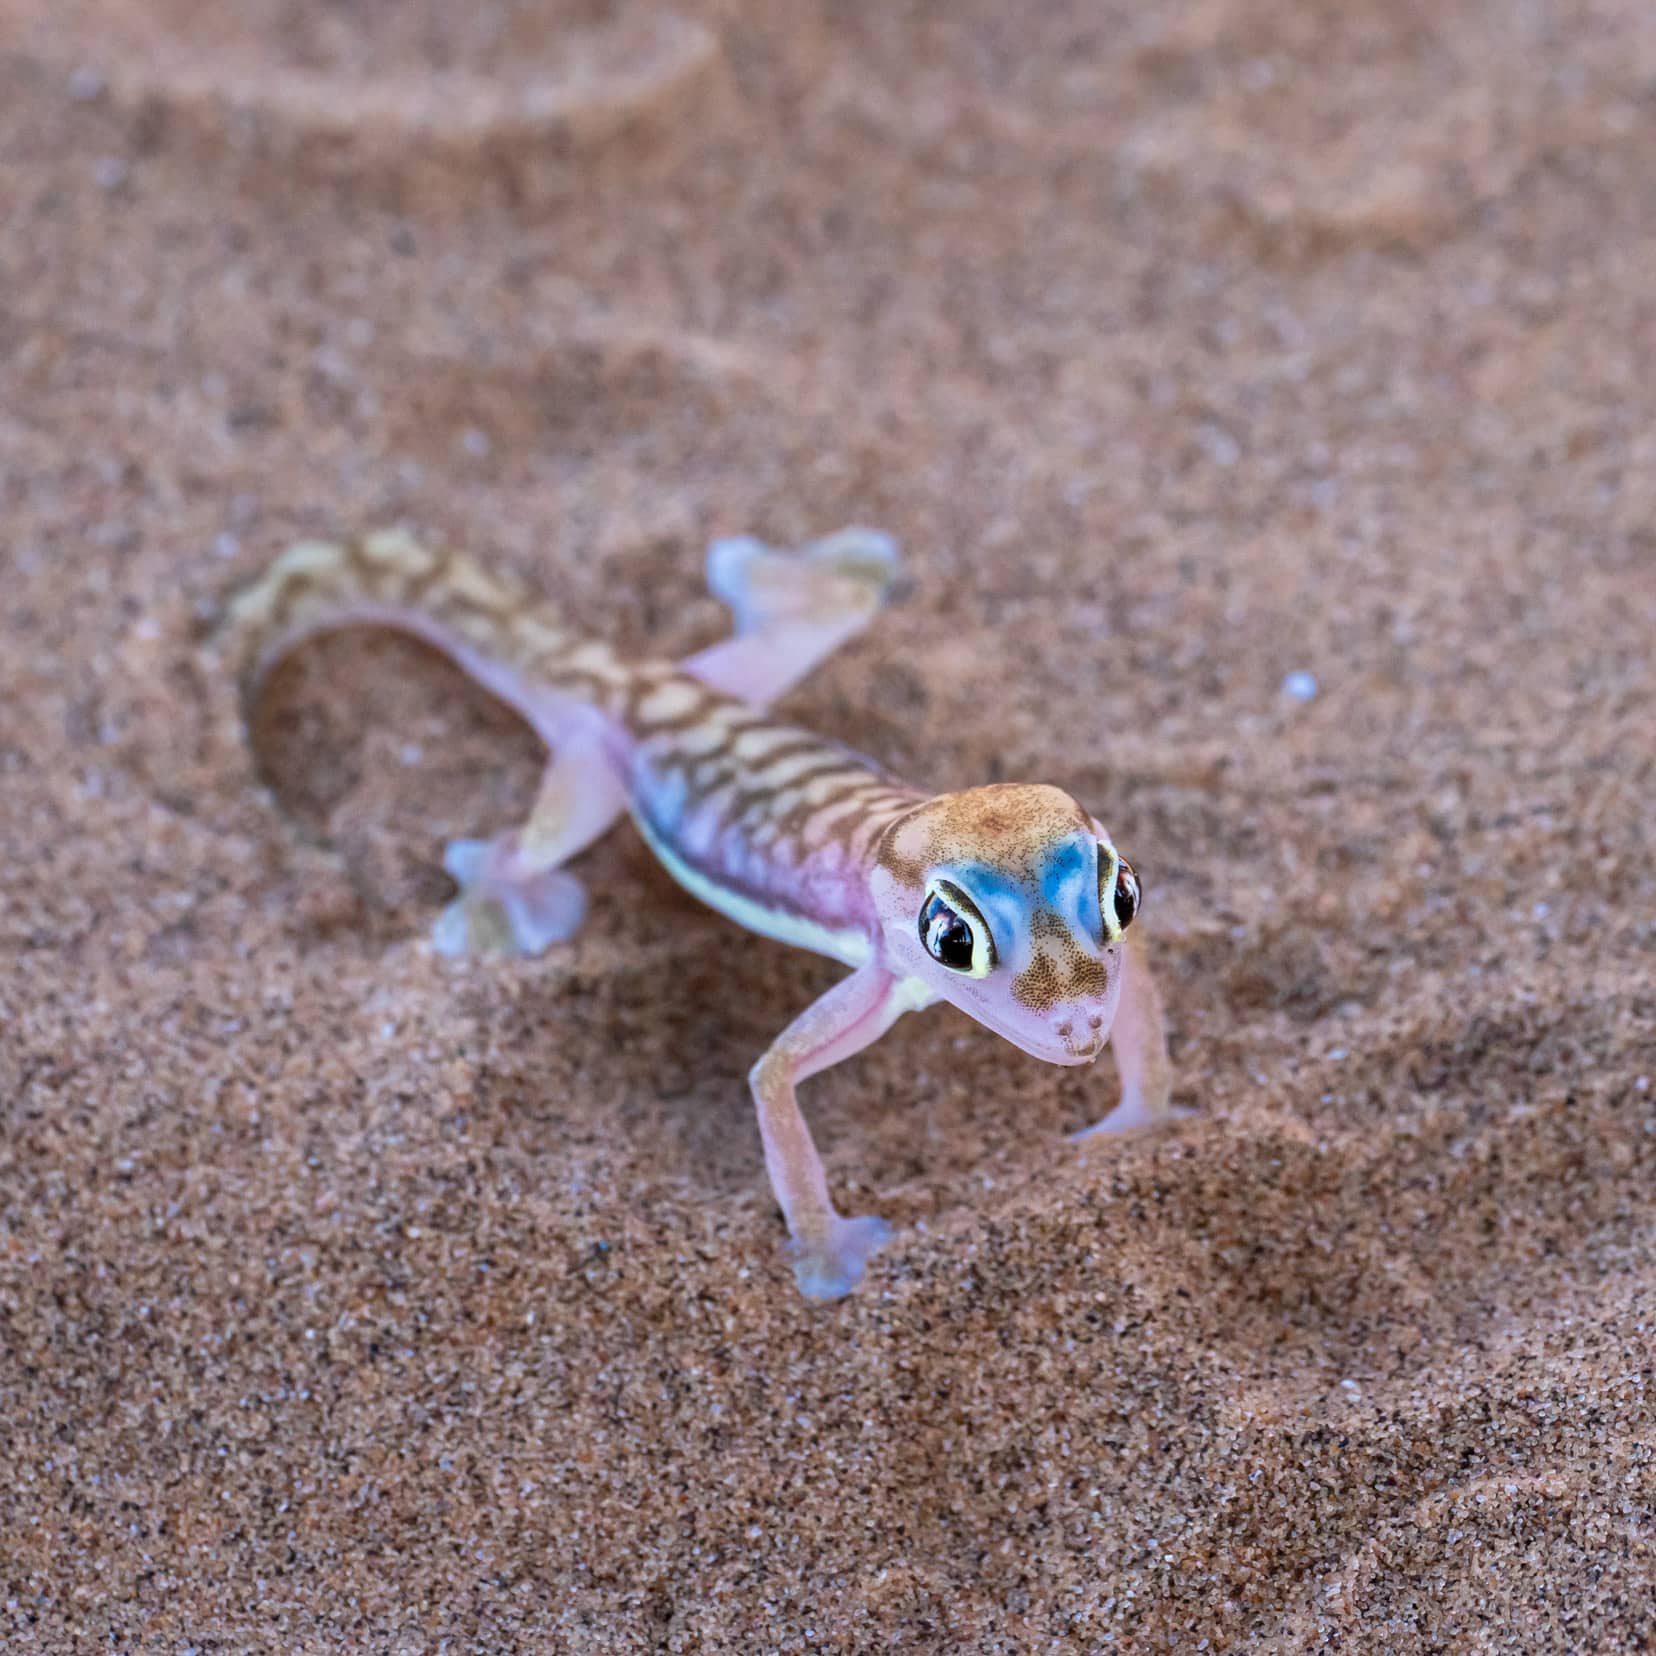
[[498, 632]]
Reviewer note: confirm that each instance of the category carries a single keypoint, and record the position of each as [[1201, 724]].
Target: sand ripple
[[246, 73]]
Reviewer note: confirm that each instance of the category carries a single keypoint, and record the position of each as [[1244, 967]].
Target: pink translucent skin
[[1061, 981], [816, 848], [1075, 1028]]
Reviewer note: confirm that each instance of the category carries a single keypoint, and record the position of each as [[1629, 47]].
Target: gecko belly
[[850, 944]]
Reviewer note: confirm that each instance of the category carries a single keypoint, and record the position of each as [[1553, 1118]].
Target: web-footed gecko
[[1010, 901]]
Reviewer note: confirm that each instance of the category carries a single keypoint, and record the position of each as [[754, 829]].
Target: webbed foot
[[1133, 1114], [505, 908], [844, 574], [831, 1271]]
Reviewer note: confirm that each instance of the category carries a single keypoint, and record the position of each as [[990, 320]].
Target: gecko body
[[1010, 900]]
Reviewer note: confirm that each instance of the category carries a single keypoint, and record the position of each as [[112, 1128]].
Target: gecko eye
[[954, 932], [1118, 892], [1126, 894]]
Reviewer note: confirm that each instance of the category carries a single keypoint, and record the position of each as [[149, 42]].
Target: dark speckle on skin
[[1038, 985], [1060, 970], [1026, 833], [1087, 976], [1013, 824]]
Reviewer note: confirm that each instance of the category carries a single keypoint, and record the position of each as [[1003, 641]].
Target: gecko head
[[1010, 901]]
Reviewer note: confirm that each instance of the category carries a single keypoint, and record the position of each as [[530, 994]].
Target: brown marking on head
[[1038, 986], [1014, 823], [893, 855], [1087, 975], [1058, 962], [1047, 926]]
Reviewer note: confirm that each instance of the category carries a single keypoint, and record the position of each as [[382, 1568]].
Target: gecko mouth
[[1067, 1050], [1050, 1044], [1085, 1050]]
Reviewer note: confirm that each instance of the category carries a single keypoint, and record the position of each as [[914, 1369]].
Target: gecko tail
[[498, 632], [388, 579]]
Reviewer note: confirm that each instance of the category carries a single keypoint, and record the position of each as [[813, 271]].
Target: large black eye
[[946, 935], [1126, 895], [954, 933]]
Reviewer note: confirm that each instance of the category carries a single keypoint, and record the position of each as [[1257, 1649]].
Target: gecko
[[1009, 901]]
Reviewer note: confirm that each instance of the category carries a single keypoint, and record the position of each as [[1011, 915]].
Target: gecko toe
[[1133, 1114], [464, 860], [502, 909], [832, 1271], [848, 573], [451, 931], [869, 556], [544, 909]]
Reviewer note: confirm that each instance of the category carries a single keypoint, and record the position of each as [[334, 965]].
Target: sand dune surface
[[1263, 396]]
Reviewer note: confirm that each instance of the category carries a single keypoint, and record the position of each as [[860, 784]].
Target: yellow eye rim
[[950, 897], [1112, 866]]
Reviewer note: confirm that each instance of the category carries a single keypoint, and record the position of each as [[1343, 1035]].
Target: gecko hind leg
[[791, 609], [516, 898]]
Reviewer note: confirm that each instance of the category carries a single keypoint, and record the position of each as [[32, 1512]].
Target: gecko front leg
[[829, 1252], [1138, 1039]]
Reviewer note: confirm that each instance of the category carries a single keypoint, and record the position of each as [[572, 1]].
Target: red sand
[[350, 1301]]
